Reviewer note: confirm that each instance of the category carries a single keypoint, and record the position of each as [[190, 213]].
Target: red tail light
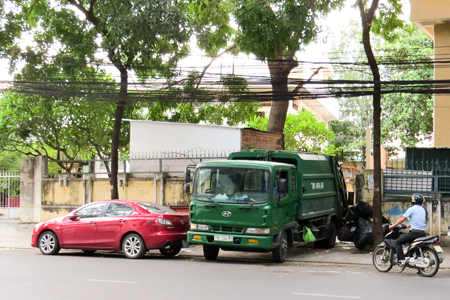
[[436, 242], [159, 221]]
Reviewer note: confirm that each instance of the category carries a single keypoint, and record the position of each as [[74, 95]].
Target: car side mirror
[[72, 216]]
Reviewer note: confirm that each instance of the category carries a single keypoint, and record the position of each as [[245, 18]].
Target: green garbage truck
[[264, 200]]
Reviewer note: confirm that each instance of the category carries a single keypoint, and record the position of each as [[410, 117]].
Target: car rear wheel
[[133, 246], [170, 251], [48, 243]]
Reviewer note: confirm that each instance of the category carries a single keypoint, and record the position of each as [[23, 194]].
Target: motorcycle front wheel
[[434, 263], [381, 259]]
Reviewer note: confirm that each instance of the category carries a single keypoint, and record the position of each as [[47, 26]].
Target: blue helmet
[[417, 199]]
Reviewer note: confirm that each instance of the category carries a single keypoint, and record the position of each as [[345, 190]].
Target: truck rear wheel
[[279, 253], [210, 252], [330, 240]]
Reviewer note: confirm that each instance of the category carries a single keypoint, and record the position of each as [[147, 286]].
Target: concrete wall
[[59, 200], [393, 207], [433, 18]]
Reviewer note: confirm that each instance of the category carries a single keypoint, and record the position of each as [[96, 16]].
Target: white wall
[[166, 138]]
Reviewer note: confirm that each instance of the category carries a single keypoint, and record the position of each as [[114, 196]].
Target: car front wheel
[[48, 243]]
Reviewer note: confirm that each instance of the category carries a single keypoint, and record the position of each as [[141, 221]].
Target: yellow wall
[[442, 72], [433, 18], [60, 200]]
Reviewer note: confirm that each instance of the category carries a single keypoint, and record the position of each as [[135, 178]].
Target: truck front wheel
[[279, 253], [210, 252], [330, 240]]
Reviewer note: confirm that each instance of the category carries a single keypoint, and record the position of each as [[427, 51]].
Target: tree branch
[[301, 84], [210, 63]]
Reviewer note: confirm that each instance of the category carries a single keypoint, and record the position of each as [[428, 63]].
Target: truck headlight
[[257, 231], [201, 227]]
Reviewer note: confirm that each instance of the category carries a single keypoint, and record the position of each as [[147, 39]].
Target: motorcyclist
[[417, 216]]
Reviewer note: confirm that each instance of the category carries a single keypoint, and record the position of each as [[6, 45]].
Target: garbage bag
[[350, 215], [363, 210], [363, 233], [308, 236], [347, 232]]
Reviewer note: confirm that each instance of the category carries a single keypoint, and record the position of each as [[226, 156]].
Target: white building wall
[[148, 138]]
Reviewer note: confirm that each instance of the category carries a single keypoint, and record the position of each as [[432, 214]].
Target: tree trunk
[[367, 24], [115, 139], [279, 72]]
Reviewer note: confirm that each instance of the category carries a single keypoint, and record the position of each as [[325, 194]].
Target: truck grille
[[227, 229]]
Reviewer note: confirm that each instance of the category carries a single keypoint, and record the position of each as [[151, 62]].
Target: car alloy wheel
[[48, 243], [133, 246]]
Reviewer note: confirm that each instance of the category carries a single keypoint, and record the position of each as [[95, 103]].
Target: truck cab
[[242, 205]]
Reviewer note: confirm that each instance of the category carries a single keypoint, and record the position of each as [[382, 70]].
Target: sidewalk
[[17, 235]]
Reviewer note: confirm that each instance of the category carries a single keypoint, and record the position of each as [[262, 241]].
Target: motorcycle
[[423, 254]]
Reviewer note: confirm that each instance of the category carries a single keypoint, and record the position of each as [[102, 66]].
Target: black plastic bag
[[363, 234], [350, 215], [363, 210], [347, 232]]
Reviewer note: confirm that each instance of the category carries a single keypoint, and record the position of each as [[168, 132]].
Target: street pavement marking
[[322, 295], [111, 281]]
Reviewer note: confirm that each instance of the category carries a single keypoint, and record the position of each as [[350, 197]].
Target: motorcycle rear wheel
[[381, 259], [434, 263]]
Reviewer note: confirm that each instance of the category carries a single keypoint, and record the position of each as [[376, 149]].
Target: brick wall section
[[257, 139]]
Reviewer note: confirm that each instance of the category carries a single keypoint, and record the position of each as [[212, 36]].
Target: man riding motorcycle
[[417, 216]]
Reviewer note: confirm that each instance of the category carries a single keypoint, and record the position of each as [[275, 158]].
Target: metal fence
[[426, 176], [9, 193], [138, 165]]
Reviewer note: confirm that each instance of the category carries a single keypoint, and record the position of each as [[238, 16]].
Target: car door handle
[[92, 222], [121, 221]]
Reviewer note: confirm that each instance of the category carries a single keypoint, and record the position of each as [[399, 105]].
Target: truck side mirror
[[187, 175], [187, 188]]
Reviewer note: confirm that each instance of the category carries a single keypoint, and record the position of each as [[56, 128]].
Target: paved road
[[27, 274]]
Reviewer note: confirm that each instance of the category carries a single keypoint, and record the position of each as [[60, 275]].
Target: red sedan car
[[132, 227]]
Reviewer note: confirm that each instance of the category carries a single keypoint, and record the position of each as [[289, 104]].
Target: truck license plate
[[223, 238]]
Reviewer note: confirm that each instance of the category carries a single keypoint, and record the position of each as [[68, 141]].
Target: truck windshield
[[232, 185]]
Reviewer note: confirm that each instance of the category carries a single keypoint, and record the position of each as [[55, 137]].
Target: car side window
[[91, 211], [118, 210]]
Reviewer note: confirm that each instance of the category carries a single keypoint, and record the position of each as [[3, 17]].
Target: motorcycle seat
[[425, 238]]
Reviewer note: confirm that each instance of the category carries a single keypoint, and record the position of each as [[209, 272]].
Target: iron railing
[[426, 176], [9, 188], [137, 165]]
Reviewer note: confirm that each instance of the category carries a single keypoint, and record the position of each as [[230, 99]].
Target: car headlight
[[257, 231], [201, 227]]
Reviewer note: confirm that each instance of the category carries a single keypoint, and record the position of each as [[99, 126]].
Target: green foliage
[[193, 105], [211, 19], [10, 160], [346, 138], [406, 118], [303, 133], [146, 37], [268, 25]]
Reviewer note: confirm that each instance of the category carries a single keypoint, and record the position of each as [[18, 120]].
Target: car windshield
[[233, 185], [156, 208]]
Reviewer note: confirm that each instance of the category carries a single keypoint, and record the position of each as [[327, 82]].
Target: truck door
[[285, 199]]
